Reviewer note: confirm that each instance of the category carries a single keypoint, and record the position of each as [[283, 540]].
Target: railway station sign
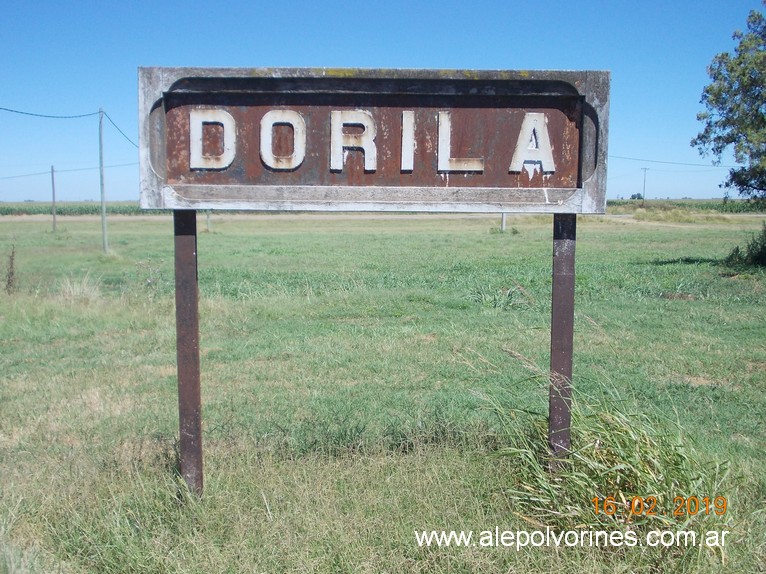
[[373, 140]]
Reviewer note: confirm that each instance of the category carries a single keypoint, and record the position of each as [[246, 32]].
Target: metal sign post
[[187, 348], [562, 333], [372, 140]]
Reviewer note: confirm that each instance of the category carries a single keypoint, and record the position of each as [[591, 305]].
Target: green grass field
[[366, 378]]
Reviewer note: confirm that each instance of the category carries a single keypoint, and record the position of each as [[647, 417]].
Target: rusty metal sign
[[373, 140]]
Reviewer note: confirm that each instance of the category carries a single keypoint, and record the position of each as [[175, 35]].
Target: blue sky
[[68, 58]]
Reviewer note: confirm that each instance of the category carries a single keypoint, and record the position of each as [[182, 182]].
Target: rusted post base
[[562, 334], [187, 348]]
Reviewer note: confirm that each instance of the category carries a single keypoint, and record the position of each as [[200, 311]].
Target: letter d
[[197, 157]]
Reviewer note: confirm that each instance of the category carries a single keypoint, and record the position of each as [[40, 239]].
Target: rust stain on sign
[[395, 146], [372, 140]]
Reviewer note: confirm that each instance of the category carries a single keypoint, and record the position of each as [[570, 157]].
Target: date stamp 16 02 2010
[[648, 506]]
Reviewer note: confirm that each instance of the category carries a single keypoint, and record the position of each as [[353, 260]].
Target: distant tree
[[735, 109], [636, 196]]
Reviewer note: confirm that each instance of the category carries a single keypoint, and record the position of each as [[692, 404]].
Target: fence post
[[53, 199]]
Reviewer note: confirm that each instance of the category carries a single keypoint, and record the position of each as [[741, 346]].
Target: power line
[[119, 130], [49, 116], [25, 175], [70, 117], [635, 172], [672, 162], [686, 170], [66, 170]]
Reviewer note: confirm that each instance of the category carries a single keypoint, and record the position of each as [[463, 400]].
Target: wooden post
[[53, 199]]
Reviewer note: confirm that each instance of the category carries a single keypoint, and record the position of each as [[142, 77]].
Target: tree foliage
[[735, 109]]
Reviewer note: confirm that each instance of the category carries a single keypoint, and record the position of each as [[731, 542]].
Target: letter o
[[283, 117]]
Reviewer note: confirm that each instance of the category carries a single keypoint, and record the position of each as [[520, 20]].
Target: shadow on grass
[[688, 261]]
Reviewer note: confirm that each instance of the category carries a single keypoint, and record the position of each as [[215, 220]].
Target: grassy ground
[[368, 377]]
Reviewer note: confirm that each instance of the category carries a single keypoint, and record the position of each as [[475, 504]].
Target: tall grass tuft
[[626, 456], [753, 255], [513, 298], [84, 289]]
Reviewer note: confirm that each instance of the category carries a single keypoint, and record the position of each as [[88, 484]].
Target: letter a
[[533, 146]]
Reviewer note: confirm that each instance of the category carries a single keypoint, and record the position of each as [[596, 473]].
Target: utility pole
[[101, 177], [643, 194], [53, 199]]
